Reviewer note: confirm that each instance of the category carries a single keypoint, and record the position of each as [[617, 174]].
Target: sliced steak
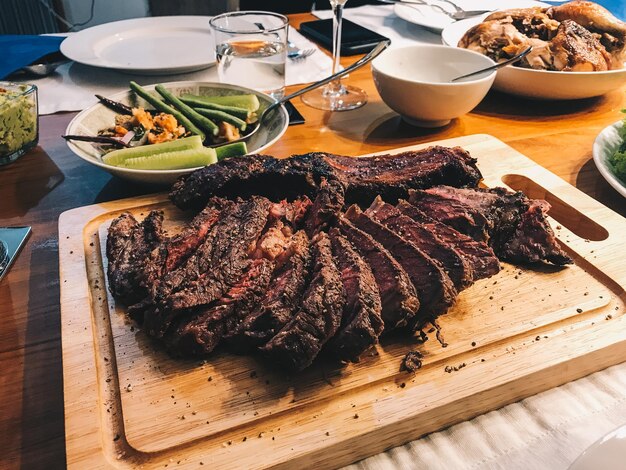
[[533, 240], [397, 293], [326, 207], [174, 251], [479, 255], [129, 244], [434, 288], [510, 216], [361, 323], [281, 300], [236, 238], [457, 215], [297, 344], [216, 265], [456, 267], [392, 176], [201, 332]]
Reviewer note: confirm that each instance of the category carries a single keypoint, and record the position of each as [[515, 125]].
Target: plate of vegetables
[[609, 155], [157, 133]]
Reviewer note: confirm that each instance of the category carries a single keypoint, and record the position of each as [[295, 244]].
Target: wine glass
[[336, 96]]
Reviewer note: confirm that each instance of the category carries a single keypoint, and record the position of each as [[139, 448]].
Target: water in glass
[[253, 63]]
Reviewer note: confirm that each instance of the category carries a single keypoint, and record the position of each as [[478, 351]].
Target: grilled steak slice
[[129, 244], [509, 215], [301, 339], [231, 247], [200, 334], [454, 264], [281, 300], [434, 288], [397, 293], [534, 240], [456, 214], [479, 255], [217, 264], [388, 175], [391, 176], [327, 205], [361, 323]]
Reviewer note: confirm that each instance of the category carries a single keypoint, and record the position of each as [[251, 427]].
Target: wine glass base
[[349, 98]]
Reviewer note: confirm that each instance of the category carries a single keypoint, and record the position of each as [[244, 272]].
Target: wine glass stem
[[335, 87]]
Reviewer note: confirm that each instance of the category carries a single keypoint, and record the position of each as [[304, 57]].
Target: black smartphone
[[355, 39]]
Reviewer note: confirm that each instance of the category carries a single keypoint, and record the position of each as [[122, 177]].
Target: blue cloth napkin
[[21, 50]]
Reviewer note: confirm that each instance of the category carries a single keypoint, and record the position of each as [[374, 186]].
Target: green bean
[[165, 108], [188, 111], [241, 113], [222, 116]]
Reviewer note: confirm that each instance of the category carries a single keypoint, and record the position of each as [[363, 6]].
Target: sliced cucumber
[[118, 157], [173, 160], [235, 149], [250, 102]]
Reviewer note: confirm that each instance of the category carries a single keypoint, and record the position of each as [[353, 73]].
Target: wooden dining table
[[49, 180]]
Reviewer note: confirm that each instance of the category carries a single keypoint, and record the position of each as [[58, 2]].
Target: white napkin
[[73, 86]]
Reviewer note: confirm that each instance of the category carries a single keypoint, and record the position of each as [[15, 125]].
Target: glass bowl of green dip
[[19, 126]]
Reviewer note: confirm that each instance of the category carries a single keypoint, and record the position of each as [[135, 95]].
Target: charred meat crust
[[363, 179], [129, 245]]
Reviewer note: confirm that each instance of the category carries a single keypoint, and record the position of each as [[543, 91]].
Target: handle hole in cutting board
[[562, 212]]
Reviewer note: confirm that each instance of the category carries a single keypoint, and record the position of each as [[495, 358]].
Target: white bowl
[[542, 84], [98, 116], [605, 145], [414, 82]]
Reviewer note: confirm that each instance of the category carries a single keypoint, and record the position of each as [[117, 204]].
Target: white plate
[[431, 18], [603, 147], [152, 46], [607, 453], [98, 116], [542, 84]]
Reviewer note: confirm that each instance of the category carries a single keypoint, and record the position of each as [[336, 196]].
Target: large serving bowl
[[542, 84], [414, 81], [98, 117]]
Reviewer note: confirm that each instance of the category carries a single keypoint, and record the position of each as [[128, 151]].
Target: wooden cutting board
[[516, 334]]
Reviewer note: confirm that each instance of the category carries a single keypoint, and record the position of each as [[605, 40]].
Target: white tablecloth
[[72, 86]]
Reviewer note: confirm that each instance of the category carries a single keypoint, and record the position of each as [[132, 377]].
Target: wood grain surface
[[537, 327], [50, 180]]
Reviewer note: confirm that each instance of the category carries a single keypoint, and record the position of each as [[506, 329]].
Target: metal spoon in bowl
[[380, 47], [497, 66]]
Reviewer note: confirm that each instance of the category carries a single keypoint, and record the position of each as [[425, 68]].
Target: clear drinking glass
[[336, 96], [251, 49]]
